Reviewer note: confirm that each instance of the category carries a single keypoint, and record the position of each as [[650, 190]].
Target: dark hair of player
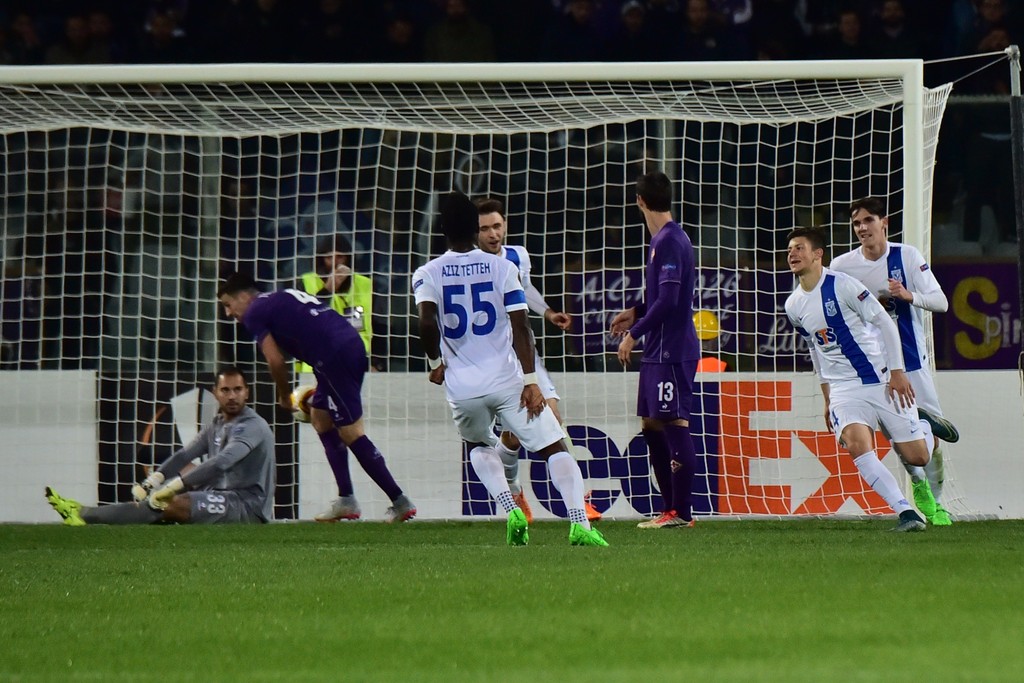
[[873, 205], [814, 234], [460, 221], [656, 190], [235, 284], [229, 371], [490, 205]]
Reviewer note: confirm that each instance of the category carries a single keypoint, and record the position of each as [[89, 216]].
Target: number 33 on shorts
[[214, 503]]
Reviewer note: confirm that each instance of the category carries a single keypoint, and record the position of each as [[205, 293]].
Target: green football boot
[[580, 536], [65, 507], [941, 517], [517, 531], [923, 498]]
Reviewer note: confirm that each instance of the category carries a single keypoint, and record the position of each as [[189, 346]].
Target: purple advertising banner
[[755, 333], [982, 328], [596, 297], [775, 345]]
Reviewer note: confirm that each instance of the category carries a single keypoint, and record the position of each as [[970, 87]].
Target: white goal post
[[128, 191]]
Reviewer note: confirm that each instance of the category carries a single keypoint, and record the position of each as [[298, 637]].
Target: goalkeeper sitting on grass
[[235, 484]]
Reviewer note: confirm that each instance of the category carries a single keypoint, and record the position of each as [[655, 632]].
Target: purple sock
[[373, 463], [684, 457], [337, 458], [659, 456]]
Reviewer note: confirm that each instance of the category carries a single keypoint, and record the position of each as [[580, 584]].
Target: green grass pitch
[[725, 601]]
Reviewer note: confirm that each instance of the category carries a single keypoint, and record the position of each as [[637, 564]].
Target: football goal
[[127, 192]]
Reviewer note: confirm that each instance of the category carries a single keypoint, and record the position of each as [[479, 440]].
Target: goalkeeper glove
[[162, 497], [141, 490]]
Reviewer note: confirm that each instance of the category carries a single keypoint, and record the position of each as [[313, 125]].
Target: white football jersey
[[474, 292], [904, 263], [834, 320]]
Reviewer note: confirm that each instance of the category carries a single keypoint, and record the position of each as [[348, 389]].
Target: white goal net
[[126, 193]]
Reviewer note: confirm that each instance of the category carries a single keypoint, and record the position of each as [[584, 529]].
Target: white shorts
[[869, 404], [924, 391], [474, 418], [547, 387]]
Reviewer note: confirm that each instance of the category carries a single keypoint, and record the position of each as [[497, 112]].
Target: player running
[[491, 240], [863, 381], [900, 278], [473, 326]]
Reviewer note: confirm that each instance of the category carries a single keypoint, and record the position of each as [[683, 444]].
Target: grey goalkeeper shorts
[[220, 507]]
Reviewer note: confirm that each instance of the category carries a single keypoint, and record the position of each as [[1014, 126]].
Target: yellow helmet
[[706, 323]]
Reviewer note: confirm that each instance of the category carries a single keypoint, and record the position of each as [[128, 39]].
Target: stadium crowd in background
[[176, 31]]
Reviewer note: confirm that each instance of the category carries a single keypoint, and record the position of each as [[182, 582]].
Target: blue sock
[[337, 458], [684, 468], [373, 464]]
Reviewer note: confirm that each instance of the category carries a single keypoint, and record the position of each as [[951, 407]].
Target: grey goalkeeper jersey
[[240, 458]]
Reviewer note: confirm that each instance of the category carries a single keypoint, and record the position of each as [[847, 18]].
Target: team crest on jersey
[[897, 274], [830, 307]]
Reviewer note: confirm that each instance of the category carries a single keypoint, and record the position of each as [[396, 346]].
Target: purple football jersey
[[302, 325], [670, 336]]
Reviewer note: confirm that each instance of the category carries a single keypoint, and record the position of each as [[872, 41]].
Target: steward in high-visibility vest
[[354, 303]]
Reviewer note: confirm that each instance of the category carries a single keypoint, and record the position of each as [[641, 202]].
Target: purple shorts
[[666, 390], [339, 383]]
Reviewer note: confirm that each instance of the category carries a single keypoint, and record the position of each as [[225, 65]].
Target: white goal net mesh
[[123, 203]]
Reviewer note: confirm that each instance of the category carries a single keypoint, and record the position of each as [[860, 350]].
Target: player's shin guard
[[880, 479], [568, 480], [122, 513], [337, 458], [510, 461], [659, 456], [683, 464], [372, 462], [487, 465]]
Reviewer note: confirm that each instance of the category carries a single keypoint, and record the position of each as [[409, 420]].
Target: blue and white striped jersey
[[904, 263], [834, 318]]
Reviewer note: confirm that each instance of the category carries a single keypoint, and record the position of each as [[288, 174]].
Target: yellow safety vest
[[355, 305]]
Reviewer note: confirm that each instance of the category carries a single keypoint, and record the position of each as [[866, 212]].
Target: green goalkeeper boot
[[923, 498], [517, 530], [581, 536], [68, 509]]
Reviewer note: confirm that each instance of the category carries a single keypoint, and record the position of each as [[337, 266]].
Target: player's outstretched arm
[[278, 371]]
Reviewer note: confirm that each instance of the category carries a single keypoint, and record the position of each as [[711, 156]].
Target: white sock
[[487, 466], [566, 476], [510, 461], [880, 479]]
